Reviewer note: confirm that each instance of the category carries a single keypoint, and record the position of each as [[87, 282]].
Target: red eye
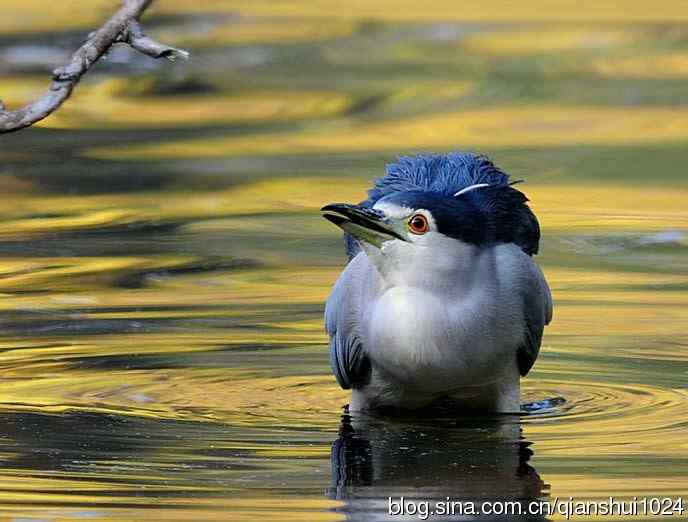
[[418, 224]]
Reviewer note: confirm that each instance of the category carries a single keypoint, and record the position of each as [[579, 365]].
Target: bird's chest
[[426, 341]]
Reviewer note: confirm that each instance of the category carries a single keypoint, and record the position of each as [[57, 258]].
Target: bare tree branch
[[123, 27], [134, 36]]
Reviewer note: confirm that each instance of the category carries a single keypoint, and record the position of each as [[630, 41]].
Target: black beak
[[363, 223]]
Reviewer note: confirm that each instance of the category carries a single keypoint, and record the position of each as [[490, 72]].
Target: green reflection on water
[[163, 267]]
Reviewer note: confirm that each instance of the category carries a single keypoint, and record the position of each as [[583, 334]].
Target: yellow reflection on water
[[194, 314], [670, 65], [559, 207], [547, 40], [108, 105], [489, 10], [494, 127], [21, 89], [36, 15], [246, 31]]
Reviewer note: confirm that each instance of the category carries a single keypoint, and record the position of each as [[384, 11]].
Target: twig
[[123, 27]]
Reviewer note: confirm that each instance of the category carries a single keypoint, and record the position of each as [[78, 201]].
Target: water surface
[[163, 266]]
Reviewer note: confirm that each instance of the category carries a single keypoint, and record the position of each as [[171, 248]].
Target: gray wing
[[348, 359], [538, 313]]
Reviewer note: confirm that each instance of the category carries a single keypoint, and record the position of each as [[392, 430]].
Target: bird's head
[[437, 204]]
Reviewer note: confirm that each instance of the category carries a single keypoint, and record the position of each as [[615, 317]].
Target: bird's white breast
[[437, 324]]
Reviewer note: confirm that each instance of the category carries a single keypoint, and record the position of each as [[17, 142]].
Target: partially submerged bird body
[[441, 297]]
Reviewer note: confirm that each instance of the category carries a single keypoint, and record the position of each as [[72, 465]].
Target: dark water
[[163, 266]]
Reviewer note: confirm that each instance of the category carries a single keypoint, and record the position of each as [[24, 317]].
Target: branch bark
[[123, 27]]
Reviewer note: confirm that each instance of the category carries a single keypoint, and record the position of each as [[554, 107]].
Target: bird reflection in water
[[432, 462]]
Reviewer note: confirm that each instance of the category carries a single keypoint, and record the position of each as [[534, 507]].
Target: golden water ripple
[[31, 15], [246, 31], [547, 40], [406, 10], [663, 66], [163, 264], [609, 418], [510, 126], [561, 207], [108, 105]]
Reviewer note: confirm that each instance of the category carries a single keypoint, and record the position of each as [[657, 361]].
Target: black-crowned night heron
[[441, 296]]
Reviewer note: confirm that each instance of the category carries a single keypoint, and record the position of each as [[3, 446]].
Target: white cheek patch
[[399, 212]]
